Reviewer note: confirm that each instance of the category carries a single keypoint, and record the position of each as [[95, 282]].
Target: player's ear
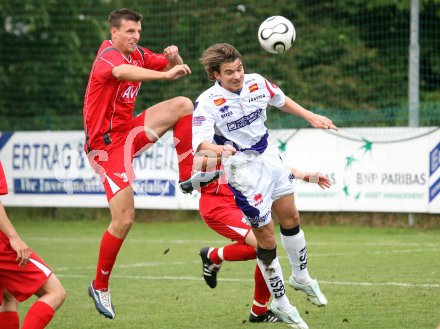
[[113, 31], [216, 75]]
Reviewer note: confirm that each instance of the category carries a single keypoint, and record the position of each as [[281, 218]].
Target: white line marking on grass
[[221, 242], [191, 278]]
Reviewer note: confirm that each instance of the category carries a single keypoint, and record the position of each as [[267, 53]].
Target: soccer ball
[[276, 34]]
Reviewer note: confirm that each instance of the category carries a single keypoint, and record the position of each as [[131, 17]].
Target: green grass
[[383, 278]]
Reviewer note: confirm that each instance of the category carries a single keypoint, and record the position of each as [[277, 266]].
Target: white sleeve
[[277, 97], [202, 123]]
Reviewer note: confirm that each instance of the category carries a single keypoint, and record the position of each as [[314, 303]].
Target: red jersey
[[109, 102], [3, 183]]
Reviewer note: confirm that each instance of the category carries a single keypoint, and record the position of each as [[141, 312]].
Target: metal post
[[414, 76]]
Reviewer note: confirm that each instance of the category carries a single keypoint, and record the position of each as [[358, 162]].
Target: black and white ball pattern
[[276, 34]]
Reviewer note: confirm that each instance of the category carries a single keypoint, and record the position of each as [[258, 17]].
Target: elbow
[[117, 72]]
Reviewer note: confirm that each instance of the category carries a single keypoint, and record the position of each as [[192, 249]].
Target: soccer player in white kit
[[229, 119]]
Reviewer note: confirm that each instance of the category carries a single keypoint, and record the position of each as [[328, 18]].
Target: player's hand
[[319, 179], [228, 150], [171, 52], [177, 72], [22, 250], [320, 121]]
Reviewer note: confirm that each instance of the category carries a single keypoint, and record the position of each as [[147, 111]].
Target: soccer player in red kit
[[114, 136], [220, 212], [23, 274]]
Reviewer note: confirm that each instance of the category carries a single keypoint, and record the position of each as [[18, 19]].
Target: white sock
[[295, 247], [273, 275]]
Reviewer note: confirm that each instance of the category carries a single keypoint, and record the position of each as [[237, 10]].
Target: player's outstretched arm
[[312, 177], [16, 242], [316, 120]]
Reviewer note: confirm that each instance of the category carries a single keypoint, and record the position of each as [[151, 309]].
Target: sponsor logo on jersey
[[258, 198], [129, 95], [219, 101], [253, 99], [225, 111], [254, 221], [244, 121], [253, 87], [198, 121]]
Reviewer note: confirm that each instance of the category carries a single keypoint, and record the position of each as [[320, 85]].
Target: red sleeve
[[3, 183], [104, 65], [153, 61]]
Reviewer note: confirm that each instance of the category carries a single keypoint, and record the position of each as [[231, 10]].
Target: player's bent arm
[[134, 73], [316, 120], [209, 149], [209, 155], [19, 246], [172, 54]]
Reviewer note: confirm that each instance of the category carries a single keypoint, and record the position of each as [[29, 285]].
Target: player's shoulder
[[209, 96], [108, 51]]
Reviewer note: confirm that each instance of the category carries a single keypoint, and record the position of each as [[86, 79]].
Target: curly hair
[[216, 55]]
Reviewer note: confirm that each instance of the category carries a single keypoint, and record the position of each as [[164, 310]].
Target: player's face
[[231, 75], [127, 36]]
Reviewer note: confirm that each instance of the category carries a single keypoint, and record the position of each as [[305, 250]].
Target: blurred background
[[350, 61]]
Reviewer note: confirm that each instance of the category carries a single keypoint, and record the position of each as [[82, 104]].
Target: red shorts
[[221, 213], [20, 282], [114, 164]]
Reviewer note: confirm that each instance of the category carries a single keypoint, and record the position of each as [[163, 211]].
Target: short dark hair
[[115, 17], [216, 55]]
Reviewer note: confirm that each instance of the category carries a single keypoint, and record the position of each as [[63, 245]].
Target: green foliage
[[351, 56]]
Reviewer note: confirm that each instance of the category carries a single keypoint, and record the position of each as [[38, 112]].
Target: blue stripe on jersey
[[259, 146], [243, 204]]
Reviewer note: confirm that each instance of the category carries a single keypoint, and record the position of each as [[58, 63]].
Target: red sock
[[9, 320], [108, 252], [239, 251], [261, 293], [38, 316], [232, 253], [182, 140]]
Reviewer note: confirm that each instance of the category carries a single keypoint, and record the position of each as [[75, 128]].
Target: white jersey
[[221, 116]]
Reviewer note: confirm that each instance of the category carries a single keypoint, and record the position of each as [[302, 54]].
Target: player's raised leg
[[293, 240], [176, 114]]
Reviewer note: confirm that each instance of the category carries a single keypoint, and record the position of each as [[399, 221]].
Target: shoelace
[[106, 299], [214, 267]]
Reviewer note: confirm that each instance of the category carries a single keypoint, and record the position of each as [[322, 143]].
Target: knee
[[266, 255], [122, 222], [125, 220], [9, 303], [290, 221], [184, 104], [61, 295]]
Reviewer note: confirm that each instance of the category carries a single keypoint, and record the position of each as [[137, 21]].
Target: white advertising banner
[[51, 169], [371, 169]]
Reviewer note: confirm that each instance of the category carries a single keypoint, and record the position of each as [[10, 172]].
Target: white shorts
[[256, 182]]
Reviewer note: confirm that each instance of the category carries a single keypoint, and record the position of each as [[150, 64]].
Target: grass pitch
[[384, 278]]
